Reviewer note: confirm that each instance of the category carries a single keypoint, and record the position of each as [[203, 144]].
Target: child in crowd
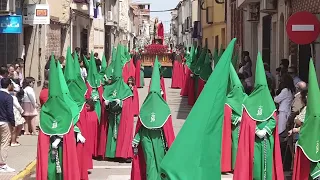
[[17, 95], [44, 94]]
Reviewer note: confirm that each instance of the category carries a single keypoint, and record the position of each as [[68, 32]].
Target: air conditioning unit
[[109, 16], [253, 11], [268, 6], [7, 6]]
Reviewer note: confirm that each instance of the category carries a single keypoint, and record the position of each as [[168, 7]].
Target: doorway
[[303, 64], [84, 42], [266, 38]]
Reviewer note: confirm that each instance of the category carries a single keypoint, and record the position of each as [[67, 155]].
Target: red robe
[[177, 74], [103, 126], [191, 92], [185, 84], [201, 84], [226, 147], [135, 101], [244, 162], [43, 97], [137, 73], [92, 124], [125, 130], [301, 169], [70, 166]]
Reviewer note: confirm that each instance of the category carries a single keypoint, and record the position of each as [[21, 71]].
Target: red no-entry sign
[[303, 27]]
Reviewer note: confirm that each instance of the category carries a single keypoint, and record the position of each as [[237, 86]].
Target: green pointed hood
[[215, 57], [200, 61], [154, 111], [75, 110], [73, 78], [55, 115], [110, 68], [260, 105], [309, 136], [236, 95], [193, 154], [86, 62], [93, 78], [69, 68], [118, 89], [189, 59], [206, 68], [104, 65]]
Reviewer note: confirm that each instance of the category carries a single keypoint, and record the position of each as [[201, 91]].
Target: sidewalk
[[21, 156]]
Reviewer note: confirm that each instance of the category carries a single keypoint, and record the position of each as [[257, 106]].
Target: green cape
[[118, 89], [215, 57], [259, 104], [194, 154], [93, 78], [154, 111], [55, 115], [206, 68], [309, 136], [200, 61], [236, 95]]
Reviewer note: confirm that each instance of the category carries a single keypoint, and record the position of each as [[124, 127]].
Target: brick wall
[[53, 40]]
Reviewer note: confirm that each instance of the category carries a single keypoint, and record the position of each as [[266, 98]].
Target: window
[[206, 42], [216, 42]]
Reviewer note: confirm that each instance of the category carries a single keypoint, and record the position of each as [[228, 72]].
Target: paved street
[[120, 171], [19, 157]]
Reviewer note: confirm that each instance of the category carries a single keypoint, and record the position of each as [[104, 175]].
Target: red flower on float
[[156, 49]]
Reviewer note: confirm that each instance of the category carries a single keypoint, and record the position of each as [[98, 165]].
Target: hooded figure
[[306, 164], [104, 66], [94, 85], [177, 71], [154, 132], [57, 154], [139, 75], [118, 100], [78, 88], [259, 155], [193, 79], [110, 68], [197, 71], [187, 73], [129, 72], [231, 123], [205, 72], [194, 154], [162, 84]]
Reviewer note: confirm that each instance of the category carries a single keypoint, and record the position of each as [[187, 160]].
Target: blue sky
[[157, 5]]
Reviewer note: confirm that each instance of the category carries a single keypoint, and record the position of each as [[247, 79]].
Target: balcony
[[242, 3], [80, 5]]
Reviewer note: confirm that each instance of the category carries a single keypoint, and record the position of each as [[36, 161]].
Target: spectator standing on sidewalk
[[6, 122], [29, 106], [44, 94], [3, 73], [17, 111]]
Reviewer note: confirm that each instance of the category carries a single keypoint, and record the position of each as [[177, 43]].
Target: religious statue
[[158, 37]]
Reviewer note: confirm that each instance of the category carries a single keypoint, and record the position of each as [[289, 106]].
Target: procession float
[[156, 47]]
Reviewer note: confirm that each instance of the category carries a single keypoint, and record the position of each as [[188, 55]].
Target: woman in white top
[[17, 110], [284, 99], [29, 106]]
